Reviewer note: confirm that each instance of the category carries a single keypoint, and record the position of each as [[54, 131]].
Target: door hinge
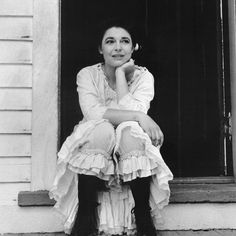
[[228, 126]]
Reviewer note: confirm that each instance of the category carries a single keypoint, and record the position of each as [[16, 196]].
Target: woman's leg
[[140, 188], [88, 185], [86, 218], [132, 147]]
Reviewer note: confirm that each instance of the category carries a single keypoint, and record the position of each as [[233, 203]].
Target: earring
[[136, 47]]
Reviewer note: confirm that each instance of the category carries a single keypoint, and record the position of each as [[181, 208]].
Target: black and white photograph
[[117, 118]]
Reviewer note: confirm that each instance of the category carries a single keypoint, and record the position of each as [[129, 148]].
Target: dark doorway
[[184, 45]]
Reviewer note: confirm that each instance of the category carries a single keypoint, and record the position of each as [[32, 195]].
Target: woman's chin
[[116, 64], [119, 63]]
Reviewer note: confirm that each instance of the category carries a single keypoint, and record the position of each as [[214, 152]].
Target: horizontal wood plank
[[9, 192], [204, 180], [15, 99], [209, 232], [40, 234], [16, 28], [16, 7], [15, 52], [16, 76], [15, 170], [15, 121], [15, 145], [195, 193], [36, 198]]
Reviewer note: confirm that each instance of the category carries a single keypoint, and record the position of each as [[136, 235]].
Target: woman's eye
[[126, 41], [110, 41]]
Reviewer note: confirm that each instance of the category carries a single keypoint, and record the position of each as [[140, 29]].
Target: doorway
[[185, 46]]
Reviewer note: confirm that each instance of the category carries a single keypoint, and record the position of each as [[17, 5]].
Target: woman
[[113, 153]]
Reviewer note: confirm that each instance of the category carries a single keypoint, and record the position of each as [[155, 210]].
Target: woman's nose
[[117, 46]]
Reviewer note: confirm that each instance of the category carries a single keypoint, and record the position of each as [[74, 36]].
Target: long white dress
[[115, 205]]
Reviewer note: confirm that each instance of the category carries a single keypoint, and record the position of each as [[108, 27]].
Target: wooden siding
[[9, 192], [16, 7], [16, 28], [9, 123], [16, 42], [14, 169], [15, 99], [16, 76], [15, 52], [15, 145]]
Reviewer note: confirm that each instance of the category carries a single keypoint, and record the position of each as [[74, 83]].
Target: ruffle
[[64, 189], [159, 187], [136, 164], [115, 206], [92, 162], [115, 212]]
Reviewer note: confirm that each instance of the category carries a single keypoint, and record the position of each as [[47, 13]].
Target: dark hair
[[116, 22]]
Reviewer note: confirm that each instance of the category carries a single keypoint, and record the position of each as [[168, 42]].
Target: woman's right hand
[[127, 68], [151, 128]]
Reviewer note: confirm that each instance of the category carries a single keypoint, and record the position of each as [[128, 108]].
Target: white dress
[[115, 205]]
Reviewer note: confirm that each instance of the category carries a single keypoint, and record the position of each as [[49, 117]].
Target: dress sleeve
[[140, 98], [89, 99]]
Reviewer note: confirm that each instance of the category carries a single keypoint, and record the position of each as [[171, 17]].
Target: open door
[[184, 45]]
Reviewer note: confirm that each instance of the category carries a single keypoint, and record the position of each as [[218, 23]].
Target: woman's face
[[116, 47]]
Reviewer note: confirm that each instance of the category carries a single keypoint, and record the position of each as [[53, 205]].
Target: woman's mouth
[[118, 56]]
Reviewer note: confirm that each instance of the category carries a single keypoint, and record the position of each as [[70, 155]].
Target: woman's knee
[[129, 142], [102, 137]]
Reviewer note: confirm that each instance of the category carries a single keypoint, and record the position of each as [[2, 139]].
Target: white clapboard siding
[[15, 145], [16, 7], [15, 99], [9, 192], [15, 121], [15, 169], [17, 28], [15, 75], [15, 52]]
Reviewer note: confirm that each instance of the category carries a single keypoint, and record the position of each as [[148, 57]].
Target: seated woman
[[111, 166]]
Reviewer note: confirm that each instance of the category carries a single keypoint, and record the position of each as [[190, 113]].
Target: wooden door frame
[[46, 69]]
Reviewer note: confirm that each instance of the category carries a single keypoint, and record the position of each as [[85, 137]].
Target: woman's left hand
[[152, 129]]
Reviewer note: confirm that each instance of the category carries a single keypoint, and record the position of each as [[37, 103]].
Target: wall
[[16, 80], [15, 98]]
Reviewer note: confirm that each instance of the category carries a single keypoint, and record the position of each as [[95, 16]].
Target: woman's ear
[[100, 50]]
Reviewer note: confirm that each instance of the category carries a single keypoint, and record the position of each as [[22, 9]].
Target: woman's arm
[[142, 89], [89, 99], [138, 103], [118, 116], [146, 122], [134, 106], [121, 81]]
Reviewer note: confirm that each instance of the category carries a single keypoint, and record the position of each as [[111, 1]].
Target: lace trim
[[132, 154], [95, 152]]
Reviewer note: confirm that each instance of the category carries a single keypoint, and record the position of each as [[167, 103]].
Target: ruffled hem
[[155, 165], [92, 162], [115, 212], [136, 164], [106, 231], [115, 206]]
